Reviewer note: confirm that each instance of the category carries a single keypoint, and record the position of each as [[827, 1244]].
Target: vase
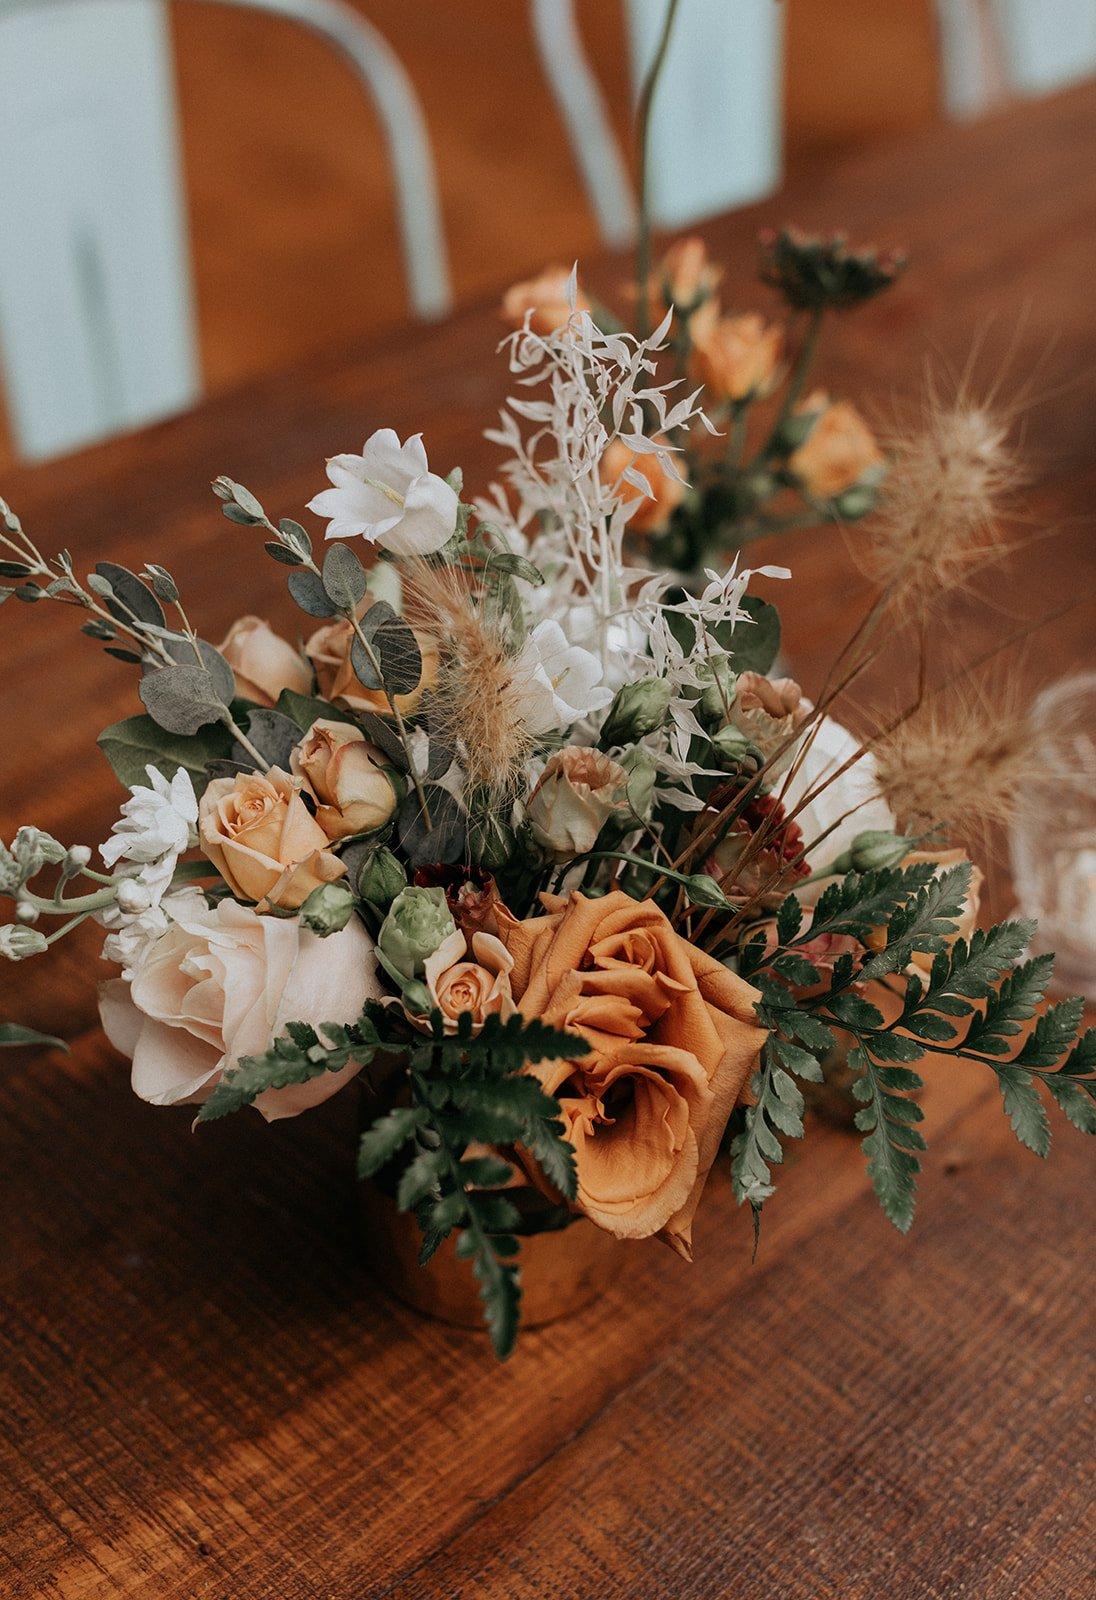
[[562, 1271]]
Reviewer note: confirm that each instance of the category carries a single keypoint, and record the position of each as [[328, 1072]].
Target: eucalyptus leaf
[[310, 594], [13, 1035], [273, 736], [220, 673], [138, 742], [444, 841], [129, 597], [344, 577], [394, 644], [181, 699]]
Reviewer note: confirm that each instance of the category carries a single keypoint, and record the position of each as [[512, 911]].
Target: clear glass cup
[[1053, 841]]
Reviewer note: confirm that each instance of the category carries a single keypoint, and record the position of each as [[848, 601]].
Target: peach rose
[[345, 776], [546, 298], [577, 793], [223, 983], [839, 451], [262, 662], [768, 711], [480, 986], [685, 277], [673, 1041], [666, 491], [263, 840], [735, 358], [329, 652]]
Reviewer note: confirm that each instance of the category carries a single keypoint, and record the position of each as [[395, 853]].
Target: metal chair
[[96, 327]]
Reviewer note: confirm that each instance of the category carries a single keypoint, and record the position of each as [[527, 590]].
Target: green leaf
[[1054, 1033], [128, 597], [753, 646], [1024, 1107], [344, 577], [1015, 1002], [13, 1035], [138, 742], [925, 922], [420, 1178], [181, 699], [388, 1134], [310, 594], [1077, 1100]]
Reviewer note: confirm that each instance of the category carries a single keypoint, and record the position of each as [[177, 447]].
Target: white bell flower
[[559, 683], [156, 821], [389, 496]]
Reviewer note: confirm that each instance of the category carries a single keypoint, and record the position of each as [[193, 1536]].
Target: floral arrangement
[[538, 845], [784, 455]]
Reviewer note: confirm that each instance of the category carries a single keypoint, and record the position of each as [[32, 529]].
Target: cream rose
[[329, 652], [769, 711], [262, 662], [839, 451], [221, 984], [545, 298], [655, 509], [263, 840], [578, 792], [346, 777], [479, 987], [673, 1040], [735, 358]]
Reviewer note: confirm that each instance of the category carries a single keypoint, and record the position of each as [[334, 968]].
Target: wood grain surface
[[202, 1395]]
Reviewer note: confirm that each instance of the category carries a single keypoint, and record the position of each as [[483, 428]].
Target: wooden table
[[205, 1397]]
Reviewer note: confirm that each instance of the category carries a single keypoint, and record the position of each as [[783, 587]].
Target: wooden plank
[[202, 1393]]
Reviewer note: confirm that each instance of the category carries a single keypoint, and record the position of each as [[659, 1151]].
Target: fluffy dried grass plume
[[475, 705], [948, 503], [964, 765]]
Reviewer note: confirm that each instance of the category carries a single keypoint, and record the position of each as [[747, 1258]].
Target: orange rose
[[673, 1041], [735, 358], [545, 298], [667, 491], [263, 840], [346, 777], [329, 652], [262, 662], [839, 451]]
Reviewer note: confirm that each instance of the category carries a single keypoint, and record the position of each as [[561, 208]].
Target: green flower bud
[[733, 750], [413, 929], [381, 878], [857, 501], [637, 710], [328, 909], [490, 840], [639, 764], [711, 708], [796, 430], [11, 874], [873, 851], [18, 943]]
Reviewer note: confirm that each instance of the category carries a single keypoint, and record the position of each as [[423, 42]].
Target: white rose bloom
[[155, 822], [559, 682], [855, 791], [388, 495]]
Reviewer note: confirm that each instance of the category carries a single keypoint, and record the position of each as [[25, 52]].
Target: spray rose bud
[[328, 909], [346, 777], [133, 896], [711, 709], [579, 790], [415, 926], [490, 839], [637, 710], [381, 878], [873, 851], [19, 943]]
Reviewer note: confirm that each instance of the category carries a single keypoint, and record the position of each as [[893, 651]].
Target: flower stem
[[643, 120]]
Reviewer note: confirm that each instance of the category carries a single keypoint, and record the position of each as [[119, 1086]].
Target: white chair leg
[[583, 109]]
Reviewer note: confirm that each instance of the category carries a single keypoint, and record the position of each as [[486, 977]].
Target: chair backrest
[[96, 319], [717, 120], [992, 49]]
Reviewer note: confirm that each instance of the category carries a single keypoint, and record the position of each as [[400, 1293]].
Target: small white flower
[[389, 495], [849, 804], [558, 682], [155, 822], [130, 942]]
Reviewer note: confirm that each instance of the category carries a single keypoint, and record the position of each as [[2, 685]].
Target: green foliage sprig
[[464, 1089], [972, 1006]]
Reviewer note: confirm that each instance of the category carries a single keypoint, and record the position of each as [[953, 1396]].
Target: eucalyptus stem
[[401, 727], [643, 120]]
